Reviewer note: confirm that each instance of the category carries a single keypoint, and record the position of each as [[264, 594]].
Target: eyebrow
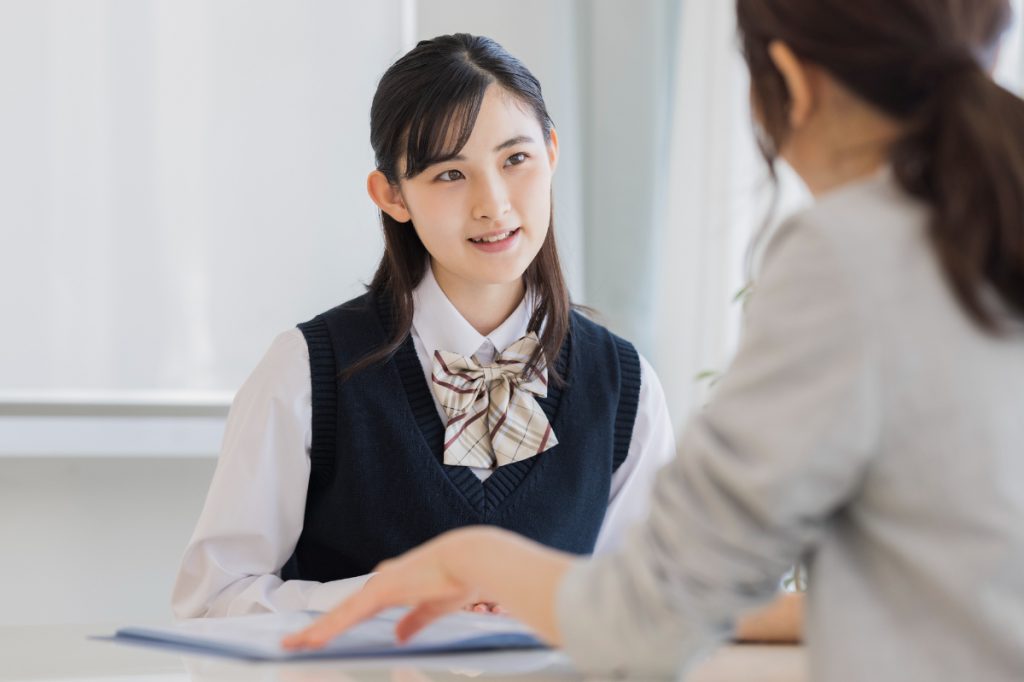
[[511, 142]]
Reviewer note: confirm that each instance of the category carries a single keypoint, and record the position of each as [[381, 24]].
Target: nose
[[490, 198]]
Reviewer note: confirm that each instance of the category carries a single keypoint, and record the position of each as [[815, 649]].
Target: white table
[[66, 653]]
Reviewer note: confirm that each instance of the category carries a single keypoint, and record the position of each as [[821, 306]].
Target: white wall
[[94, 540], [181, 181]]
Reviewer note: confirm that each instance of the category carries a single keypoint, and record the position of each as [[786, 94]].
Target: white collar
[[441, 326]]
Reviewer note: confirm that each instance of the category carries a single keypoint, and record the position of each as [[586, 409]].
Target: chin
[[500, 268], [499, 278], [500, 273]]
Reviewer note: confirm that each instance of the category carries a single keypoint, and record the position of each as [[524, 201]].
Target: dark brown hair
[[924, 63], [423, 113]]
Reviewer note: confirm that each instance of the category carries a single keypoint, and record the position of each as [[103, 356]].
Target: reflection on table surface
[[537, 664], [67, 653]]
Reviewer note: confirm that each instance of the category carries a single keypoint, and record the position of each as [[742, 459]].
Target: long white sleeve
[[651, 447], [254, 510]]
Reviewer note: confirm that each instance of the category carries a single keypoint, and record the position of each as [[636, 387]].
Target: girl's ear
[[387, 196], [553, 150], [798, 82]]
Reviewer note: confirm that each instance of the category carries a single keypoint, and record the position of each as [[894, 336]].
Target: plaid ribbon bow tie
[[493, 415]]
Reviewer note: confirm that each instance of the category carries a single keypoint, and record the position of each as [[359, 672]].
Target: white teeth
[[495, 238]]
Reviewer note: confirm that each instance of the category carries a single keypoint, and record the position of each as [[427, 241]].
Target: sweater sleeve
[[779, 448]]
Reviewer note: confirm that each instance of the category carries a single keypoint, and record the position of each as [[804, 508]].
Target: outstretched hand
[[480, 566], [416, 578]]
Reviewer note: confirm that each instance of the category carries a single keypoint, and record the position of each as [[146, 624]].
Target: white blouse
[[254, 510]]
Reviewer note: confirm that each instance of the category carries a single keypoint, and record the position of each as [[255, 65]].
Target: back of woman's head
[[423, 112], [924, 63]]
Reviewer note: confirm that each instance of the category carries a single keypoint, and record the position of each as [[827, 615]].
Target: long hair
[[923, 62], [424, 111]]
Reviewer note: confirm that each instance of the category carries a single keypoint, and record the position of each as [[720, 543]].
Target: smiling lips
[[494, 237], [497, 241]]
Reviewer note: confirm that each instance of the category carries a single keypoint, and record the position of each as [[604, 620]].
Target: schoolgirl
[[462, 388]]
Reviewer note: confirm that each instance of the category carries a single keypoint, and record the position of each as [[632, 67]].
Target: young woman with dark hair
[[460, 389], [872, 421]]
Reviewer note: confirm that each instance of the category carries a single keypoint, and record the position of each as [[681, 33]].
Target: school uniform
[[318, 480], [867, 426]]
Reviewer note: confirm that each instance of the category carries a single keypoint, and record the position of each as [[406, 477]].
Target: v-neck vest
[[378, 484]]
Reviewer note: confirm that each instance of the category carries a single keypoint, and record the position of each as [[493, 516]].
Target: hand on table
[[479, 566], [781, 621]]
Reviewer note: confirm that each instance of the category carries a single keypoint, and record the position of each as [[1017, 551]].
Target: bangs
[[443, 120]]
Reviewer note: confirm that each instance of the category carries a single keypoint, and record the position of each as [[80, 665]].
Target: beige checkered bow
[[493, 415]]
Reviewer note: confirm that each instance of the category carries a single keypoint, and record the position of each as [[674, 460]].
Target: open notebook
[[259, 637]]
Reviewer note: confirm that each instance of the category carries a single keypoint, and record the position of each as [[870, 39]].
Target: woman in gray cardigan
[[872, 422]]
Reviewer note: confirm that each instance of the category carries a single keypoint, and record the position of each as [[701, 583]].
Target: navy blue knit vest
[[378, 484]]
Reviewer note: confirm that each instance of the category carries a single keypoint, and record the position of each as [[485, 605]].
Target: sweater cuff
[[583, 638], [604, 632]]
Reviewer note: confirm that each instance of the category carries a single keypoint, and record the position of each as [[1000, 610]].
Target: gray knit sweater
[[865, 425]]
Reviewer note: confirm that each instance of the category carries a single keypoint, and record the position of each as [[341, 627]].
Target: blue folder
[[258, 637]]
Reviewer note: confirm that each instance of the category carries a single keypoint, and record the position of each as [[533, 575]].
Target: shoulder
[[350, 310], [352, 327], [287, 346], [594, 345], [282, 372], [858, 247], [866, 226], [287, 350], [652, 393], [588, 332]]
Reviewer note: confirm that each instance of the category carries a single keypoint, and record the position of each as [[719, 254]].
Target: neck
[[834, 173], [849, 142], [484, 306]]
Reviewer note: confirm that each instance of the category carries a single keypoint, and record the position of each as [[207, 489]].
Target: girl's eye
[[450, 176], [516, 159]]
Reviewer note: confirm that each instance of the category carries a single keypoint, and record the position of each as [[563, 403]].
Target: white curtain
[[1010, 68], [717, 194], [182, 179], [717, 197]]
